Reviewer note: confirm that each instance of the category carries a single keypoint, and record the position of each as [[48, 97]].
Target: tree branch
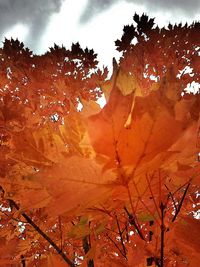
[[121, 237], [132, 222], [86, 248], [171, 195], [45, 236], [150, 189], [61, 234], [23, 262], [181, 203], [121, 252], [162, 229]]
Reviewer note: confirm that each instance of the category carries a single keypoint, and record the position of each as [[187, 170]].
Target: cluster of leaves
[[151, 52], [45, 85], [117, 186]]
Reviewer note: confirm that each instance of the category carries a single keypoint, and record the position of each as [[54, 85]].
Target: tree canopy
[[112, 186]]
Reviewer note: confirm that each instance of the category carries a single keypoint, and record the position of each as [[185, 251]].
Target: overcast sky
[[94, 23]]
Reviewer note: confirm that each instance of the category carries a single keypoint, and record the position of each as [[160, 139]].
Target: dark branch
[[181, 203], [172, 198], [86, 248], [23, 262], [133, 222], [162, 229], [45, 236], [121, 236], [121, 252]]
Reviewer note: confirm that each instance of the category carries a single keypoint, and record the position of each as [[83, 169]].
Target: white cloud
[[99, 33], [61, 23], [63, 26], [19, 31]]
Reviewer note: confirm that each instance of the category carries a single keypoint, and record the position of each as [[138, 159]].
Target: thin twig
[[131, 202], [121, 237], [127, 233], [181, 203], [162, 229], [11, 217], [160, 185], [86, 248], [101, 210], [61, 234], [23, 261], [154, 201], [116, 245], [178, 189], [133, 222], [171, 195]]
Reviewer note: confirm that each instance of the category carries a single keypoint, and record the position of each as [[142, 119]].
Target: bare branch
[[162, 229], [121, 252], [181, 203], [172, 197], [121, 236], [45, 236], [132, 222]]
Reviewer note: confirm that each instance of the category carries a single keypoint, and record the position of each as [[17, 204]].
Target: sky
[[94, 23]]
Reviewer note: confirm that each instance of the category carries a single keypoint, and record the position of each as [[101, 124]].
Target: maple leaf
[[116, 186]]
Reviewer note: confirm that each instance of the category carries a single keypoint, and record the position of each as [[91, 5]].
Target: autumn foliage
[[112, 186]]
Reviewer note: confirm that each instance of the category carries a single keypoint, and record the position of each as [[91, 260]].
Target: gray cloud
[[187, 8], [33, 13], [94, 7]]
